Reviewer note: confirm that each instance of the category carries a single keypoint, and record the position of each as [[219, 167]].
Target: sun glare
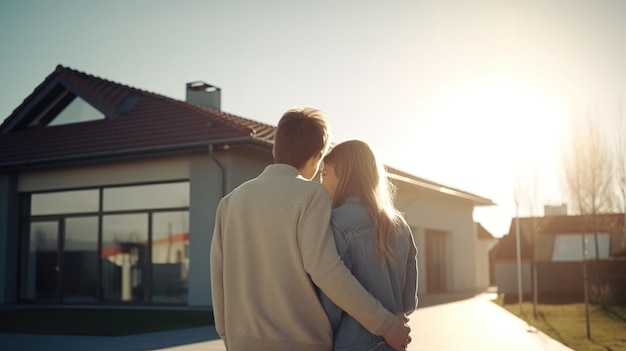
[[517, 117], [502, 129]]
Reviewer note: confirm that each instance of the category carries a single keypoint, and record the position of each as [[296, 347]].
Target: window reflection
[[60, 257], [76, 201], [569, 247], [123, 256], [80, 259], [146, 197], [170, 264]]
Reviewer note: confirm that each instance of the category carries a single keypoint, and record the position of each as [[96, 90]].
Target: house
[[554, 247], [107, 196]]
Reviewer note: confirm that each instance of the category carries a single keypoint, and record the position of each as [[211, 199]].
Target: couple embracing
[[299, 265]]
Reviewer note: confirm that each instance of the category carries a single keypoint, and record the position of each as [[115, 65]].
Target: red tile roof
[[156, 123]]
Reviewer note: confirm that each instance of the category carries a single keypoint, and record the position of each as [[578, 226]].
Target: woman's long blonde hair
[[359, 173]]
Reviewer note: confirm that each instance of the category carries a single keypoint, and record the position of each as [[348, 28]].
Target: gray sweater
[[272, 245]]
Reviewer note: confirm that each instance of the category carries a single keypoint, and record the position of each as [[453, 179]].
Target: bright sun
[[500, 129], [515, 127], [516, 117]]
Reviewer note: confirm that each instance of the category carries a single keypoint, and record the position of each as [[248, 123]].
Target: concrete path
[[474, 323]]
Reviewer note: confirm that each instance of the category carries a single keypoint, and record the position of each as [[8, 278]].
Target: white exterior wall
[[431, 210], [206, 192], [483, 246], [151, 170]]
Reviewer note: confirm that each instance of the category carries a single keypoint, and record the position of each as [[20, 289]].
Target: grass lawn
[[567, 323], [100, 322]]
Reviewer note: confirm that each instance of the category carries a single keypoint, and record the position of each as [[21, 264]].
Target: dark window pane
[[76, 201], [170, 267], [80, 260], [39, 276], [152, 196]]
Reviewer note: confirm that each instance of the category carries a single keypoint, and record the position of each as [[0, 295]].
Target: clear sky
[[471, 94]]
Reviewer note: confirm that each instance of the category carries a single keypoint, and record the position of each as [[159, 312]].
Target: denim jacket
[[395, 286]]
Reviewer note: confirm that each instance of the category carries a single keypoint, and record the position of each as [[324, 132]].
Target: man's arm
[[321, 261], [217, 273]]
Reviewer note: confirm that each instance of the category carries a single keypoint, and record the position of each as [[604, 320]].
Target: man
[[272, 245]]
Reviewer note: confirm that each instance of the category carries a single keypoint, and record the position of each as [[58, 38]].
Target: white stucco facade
[[430, 212]]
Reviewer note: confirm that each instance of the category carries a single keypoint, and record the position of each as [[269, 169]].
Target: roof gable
[[49, 99], [136, 121]]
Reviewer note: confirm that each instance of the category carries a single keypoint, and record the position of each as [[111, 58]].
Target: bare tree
[[620, 164], [526, 193], [588, 169], [588, 166]]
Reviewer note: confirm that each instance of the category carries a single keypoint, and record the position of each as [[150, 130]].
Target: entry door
[[435, 261], [41, 277]]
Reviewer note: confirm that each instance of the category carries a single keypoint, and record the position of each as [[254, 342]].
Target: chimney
[[555, 210], [204, 94]]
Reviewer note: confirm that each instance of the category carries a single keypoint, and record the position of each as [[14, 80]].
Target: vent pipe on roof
[[204, 94]]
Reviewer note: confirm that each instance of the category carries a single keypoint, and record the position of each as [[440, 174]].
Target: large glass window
[[80, 259], [123, 256], [170, 264], [152, 196], [130, 245], [76, 201], [77, 111], [570, 247], [40, 262]]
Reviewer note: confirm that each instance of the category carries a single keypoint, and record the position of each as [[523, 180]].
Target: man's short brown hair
[[301, 134]]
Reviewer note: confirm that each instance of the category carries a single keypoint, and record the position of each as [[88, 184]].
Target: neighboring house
[[555, 243], [107, 195]]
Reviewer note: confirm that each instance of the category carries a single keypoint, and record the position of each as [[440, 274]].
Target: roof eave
[[130, 153], [476, 200]]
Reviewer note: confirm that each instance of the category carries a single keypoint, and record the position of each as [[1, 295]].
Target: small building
[[108, 195], [554, 247]]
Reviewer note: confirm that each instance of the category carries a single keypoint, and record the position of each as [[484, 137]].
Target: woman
[[372, 238]]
